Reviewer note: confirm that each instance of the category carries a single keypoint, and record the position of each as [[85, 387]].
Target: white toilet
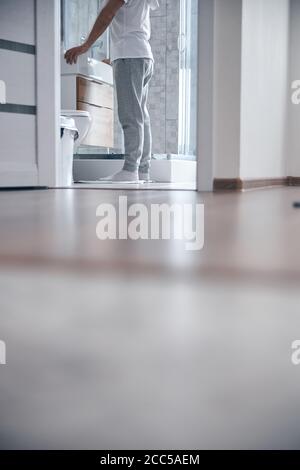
[[83, 123]]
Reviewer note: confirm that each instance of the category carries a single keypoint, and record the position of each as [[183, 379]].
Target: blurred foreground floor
[[142, 344]]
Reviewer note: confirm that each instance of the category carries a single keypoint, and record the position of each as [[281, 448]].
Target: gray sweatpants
[[132, 77]]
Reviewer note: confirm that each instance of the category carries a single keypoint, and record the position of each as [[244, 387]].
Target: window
[[188, 77]]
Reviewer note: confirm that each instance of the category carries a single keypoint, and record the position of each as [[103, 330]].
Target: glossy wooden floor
[[143, 345], [256, 233]]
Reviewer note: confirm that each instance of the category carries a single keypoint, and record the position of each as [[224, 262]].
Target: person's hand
[[72, 55], [106, 61]]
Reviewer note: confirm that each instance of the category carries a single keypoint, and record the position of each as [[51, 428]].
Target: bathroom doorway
[[172, 94]]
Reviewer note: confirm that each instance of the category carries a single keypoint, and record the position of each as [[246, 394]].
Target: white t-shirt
[[130, 30]]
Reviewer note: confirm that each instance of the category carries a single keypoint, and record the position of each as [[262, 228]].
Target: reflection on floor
[[142, 186], [124, 344]]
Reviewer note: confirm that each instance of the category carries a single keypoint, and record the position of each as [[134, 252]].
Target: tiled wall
[[80, 17], [164, 88]]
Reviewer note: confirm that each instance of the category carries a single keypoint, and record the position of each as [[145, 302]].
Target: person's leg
[[129, 83], [144, 169]]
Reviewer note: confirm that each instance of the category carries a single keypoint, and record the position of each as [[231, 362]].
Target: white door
[[29, 92]]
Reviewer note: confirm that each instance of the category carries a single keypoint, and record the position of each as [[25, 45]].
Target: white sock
[[123, 176], [145, 177]]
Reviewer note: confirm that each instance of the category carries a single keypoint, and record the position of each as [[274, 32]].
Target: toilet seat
[[83, 121], [74, 113]]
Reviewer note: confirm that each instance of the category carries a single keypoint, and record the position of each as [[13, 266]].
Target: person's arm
[[103, 21]]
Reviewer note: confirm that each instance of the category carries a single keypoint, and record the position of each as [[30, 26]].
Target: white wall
[[294, 110], [264, 90], [205, 115], [17, 20], [30, 69], [18, 157], [250, 89], [227, 84]]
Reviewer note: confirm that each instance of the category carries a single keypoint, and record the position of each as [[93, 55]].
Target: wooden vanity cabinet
[[98, 99]]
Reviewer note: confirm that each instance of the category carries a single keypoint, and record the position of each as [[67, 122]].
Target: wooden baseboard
[[263, 183], [237, 184], [228, 184], [293, 181]]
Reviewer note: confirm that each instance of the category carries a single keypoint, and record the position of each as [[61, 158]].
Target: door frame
[[48, 31], [205, 115], [48, 90]]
